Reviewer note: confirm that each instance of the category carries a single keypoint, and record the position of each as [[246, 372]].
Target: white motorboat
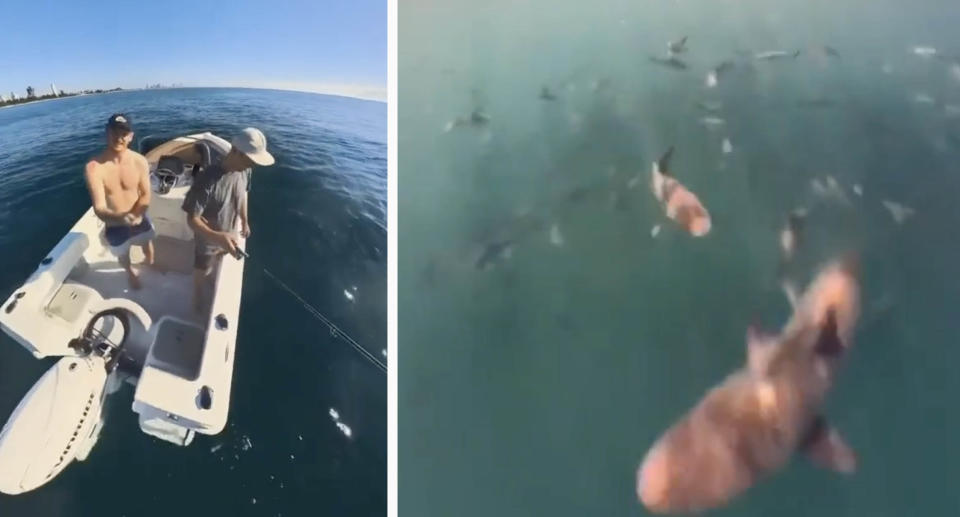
[[78, 306]]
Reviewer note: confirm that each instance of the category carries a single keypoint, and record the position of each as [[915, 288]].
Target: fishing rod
[[335, 331]]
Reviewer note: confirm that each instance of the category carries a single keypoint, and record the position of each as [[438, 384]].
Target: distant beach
[[69, 96]]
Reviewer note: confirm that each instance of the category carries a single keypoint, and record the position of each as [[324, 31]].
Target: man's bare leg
[[201, 282], [132, 277], [148, 253]]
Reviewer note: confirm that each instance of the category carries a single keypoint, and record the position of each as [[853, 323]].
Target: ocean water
[[319, 224], [535, 386]]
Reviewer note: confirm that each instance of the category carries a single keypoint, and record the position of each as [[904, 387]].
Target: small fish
[[835, 190], [494, 251], [216, 447], [476, 119], [857, 189], [711, 80], [348, 295], [547, 95], [710, 106], [727, 147], [670, 62], [677, 47], [790, 236], [713, 76], [655, 231], [771, 55], [556, 238], [712, 122], [924, 51], [829, 189], [923, 98], [333, 414], [900, 213], [345, 429], [479, 118]]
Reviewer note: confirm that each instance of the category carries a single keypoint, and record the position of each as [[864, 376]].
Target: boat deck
[[167, 287]]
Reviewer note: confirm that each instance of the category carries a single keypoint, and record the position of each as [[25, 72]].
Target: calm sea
[[319, 224], [535, 387]]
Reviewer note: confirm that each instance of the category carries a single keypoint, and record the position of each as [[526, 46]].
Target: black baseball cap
[[119, 122]]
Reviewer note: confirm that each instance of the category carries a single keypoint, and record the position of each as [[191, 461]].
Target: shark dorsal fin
[[828, 342]]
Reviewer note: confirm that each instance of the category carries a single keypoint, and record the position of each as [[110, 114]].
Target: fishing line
[[335, 331]]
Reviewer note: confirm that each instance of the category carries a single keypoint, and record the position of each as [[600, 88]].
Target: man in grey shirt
[[217, 199]]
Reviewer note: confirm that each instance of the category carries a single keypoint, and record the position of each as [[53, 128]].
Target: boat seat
[[43, 315], [53, 269], [72, 303]]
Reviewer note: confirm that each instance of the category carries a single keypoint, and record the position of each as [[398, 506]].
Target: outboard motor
[[59, 419], [168, 173]]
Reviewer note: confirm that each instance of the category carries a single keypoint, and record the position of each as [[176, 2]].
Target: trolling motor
[[60, 418]]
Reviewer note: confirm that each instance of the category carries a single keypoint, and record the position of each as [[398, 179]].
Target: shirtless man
[[119, 184]]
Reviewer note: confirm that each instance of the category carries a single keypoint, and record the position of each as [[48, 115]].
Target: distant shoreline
[[36, 101], [190, 87], [58, 98]]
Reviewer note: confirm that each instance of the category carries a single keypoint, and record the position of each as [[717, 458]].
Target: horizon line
[[366, 93]]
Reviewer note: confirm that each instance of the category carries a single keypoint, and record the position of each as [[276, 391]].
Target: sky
[[324, 46]]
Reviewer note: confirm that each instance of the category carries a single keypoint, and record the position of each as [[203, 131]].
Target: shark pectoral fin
[[760, 348], [827, 449], [656, 183]]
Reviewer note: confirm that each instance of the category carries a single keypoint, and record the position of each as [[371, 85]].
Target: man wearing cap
[[119, 183], [217, 199]]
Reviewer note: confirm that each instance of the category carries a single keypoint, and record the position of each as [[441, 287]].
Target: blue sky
[[320, 45]]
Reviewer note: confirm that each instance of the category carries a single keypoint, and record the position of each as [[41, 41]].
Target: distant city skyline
[[329, 47]]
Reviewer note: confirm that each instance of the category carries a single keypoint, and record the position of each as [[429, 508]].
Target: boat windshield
[[145, 144]]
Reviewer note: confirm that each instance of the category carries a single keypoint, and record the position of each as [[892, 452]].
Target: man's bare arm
[[143, 202], [98, 198], [243, 210], [200, 226]]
